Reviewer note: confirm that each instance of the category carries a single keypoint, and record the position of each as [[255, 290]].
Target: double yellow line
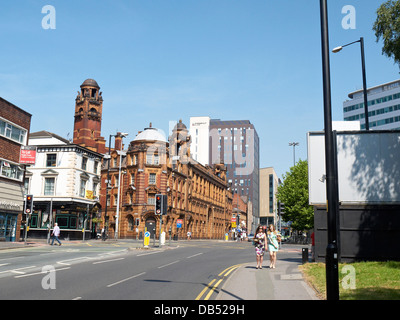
[[211, 286]]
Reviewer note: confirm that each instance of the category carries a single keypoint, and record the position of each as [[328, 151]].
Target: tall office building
[[383, 106], [199, 131], [236, 143]]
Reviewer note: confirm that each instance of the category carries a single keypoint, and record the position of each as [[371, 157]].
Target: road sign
[[146, 238], [179, 223]]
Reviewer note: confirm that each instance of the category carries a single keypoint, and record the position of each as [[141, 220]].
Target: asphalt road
[[98, 270]]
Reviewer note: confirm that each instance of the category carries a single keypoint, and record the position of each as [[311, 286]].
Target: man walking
[[56, 234]]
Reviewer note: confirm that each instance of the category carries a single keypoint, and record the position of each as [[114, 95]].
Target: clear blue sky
[[164, 60]]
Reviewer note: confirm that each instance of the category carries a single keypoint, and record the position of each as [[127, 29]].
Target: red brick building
[[198, 196], [14, 131]]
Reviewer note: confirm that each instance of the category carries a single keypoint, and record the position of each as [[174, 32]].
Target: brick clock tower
[[88, 113]]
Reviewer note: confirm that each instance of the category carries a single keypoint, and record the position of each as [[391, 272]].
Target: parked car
[[250, 237]]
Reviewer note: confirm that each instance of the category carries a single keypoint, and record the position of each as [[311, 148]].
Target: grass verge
[[358, 281]]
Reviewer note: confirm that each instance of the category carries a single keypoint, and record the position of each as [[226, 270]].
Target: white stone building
[[64, 181]]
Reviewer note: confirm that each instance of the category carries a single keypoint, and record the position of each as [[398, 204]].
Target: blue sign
[[147, 234], [179, 225]]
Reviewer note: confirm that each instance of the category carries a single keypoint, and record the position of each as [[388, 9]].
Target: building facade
[[236, 144], [383, 106], [269, 183], [198, 197], [65, 184], [14, 131]]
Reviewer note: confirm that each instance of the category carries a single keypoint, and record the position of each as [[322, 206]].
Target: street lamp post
[[331, 257], [361, 41], [294, 144]]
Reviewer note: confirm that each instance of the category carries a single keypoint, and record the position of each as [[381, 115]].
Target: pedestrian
[[56, 234], [259, 241], [189, 235], [273, 246], [103, 234]]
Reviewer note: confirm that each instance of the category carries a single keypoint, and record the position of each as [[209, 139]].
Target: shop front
[[11, 207], [8, 226], [74, 219]]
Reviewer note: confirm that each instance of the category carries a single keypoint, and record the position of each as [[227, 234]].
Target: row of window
[[372, 102], [50, 182], [374, 113], [12, 132], [51, 161], [40, 219], [382, 122]]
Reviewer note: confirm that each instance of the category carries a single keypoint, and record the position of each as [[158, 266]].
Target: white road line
[[70, 260], [104, 261], [166, 265], [4, 264], [195, 255], [135, 276], [21, 272], [77, 298], [36, 273], [146, 254]]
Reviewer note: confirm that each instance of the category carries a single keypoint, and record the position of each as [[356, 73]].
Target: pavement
[[285, 282]]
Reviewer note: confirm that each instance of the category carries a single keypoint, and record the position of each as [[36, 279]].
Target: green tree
[[293, 192], [387, 27]]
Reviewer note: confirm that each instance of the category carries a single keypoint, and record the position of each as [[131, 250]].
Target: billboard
[[368, 167], [27, 155]]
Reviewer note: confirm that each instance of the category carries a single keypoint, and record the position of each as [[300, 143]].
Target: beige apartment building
[[269, 182]]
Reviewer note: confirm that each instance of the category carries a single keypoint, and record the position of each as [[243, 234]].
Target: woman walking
[[273, 246], [260, 240]]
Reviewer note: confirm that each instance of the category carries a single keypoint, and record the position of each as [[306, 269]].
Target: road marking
[[212, 290], [36, 273], [223, 274], [68, 264], [195, 255], [228, 269], [4, 264], [77, 298], [17, 271], [205, 289], [104, 261], [146, 254], [127, 279], [168, 264]]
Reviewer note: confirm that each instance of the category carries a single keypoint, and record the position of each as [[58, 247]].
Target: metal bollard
[[304, 255]]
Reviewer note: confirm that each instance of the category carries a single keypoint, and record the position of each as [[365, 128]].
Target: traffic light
[[281, 208], [29, 204], [159, 202]]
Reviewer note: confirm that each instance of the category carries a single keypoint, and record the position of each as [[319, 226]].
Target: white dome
[[151, 134]]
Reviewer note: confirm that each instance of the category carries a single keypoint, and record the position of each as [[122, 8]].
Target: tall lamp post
[[294, 144], [361, 41], [331, 257]]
